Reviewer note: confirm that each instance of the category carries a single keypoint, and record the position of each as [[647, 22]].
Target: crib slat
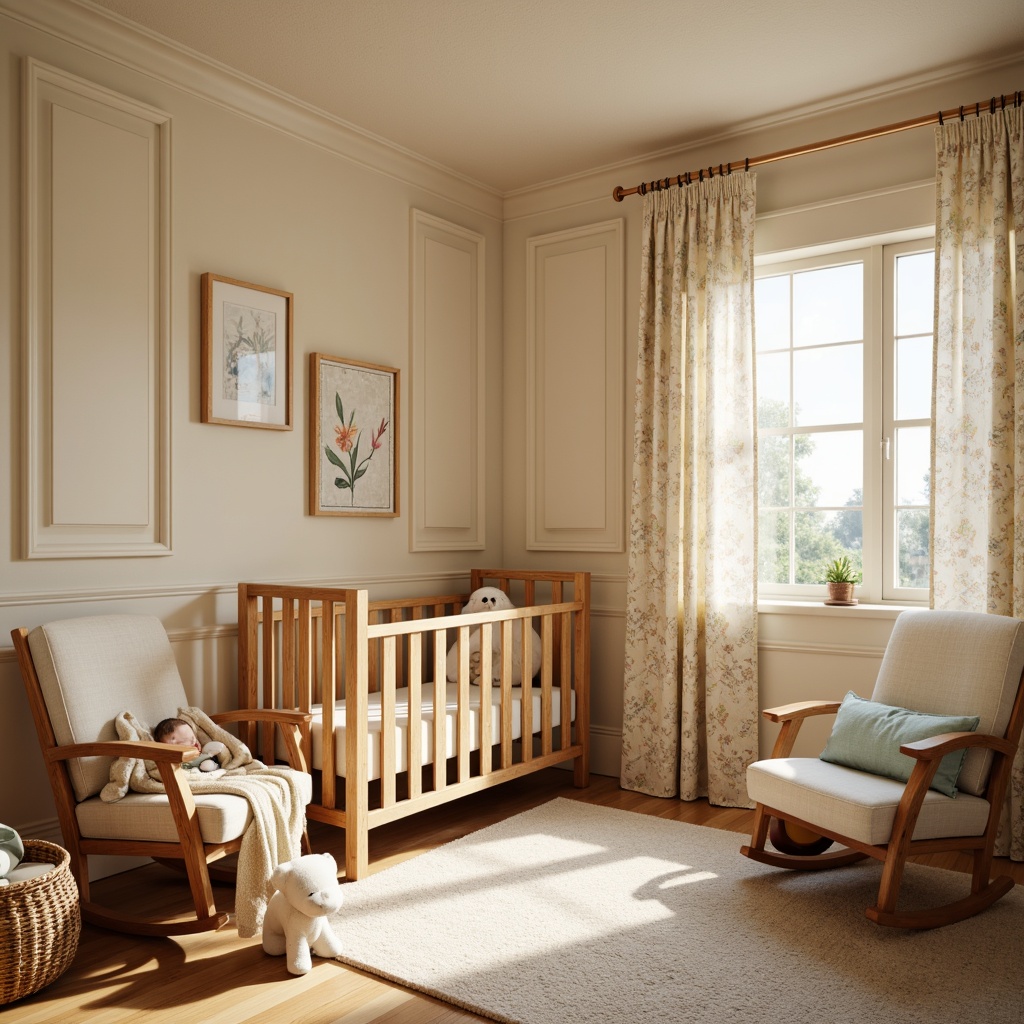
[[526, 708], [287, 653], [388, 666], [545, 685], [566, 689], [506, 694], [265, 748], [356, 774], [486, 676], [248, 660], [440, 703], [414, 732], [462, 742], [327, 678], [304, 666]]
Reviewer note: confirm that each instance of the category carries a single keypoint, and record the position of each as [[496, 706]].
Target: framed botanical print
[[353, 437], [246, 337]]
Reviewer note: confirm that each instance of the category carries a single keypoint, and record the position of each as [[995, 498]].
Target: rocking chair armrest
[[289, 723], [171, 753], [937, 747], [801, 709], [791, 717]]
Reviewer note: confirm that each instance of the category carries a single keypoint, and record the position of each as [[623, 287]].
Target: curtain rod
[[619, 193]]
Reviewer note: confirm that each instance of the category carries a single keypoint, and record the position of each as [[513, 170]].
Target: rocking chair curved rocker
[[80, 674], [936, 663]]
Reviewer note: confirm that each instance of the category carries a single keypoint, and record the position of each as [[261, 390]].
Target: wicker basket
[[40, 921]]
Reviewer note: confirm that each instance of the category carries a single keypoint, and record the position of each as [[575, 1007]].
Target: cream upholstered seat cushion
[[147, 816], [856, 804], [90, 670], [955, 663]]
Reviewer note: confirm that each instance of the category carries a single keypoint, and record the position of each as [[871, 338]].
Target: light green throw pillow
[[867, 736]]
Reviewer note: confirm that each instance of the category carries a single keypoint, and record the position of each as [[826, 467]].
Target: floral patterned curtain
[[690, 707], [978, 459]]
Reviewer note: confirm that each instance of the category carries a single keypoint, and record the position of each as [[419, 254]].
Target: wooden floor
[[218, 978]]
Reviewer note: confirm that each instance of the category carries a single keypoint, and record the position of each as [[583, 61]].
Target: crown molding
[[114, 38]]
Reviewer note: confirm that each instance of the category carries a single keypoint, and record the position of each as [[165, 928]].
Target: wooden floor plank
[[218, 978]]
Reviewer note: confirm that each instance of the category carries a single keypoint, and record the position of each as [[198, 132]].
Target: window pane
[[913, 465], [915, 293], [828, 305], [817, 542], [828, 385], [773, 547], [771, 301], [914, 378], [830, 469], [913, 547], [773, 472], [773, 390]]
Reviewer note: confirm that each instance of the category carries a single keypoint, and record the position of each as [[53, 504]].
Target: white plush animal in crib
[[489, 599]]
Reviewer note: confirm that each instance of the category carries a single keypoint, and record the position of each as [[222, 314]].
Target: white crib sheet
[[426, 724]]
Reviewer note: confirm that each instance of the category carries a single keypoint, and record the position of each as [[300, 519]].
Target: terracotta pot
[[842, 592]]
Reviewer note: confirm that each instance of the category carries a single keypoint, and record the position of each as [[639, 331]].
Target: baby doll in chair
[[177, 732]]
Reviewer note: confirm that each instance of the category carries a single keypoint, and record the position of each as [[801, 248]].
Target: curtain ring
[[701, 173], [746, 163], [643, 188], [721, 173], [687, 177], [992, 105], [940, 118], [977, 110], [961, 112]]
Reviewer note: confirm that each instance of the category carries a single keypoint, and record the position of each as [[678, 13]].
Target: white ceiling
[[513, 93]]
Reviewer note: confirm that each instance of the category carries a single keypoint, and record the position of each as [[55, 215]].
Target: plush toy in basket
[[490, 599], [297, 919]]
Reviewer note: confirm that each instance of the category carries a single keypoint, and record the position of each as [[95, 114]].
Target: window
[[844, 346]]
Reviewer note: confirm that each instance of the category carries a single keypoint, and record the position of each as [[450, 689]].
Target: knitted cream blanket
[[275, 800]]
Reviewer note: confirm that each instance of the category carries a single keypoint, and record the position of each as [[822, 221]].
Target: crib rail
[[305, 646]]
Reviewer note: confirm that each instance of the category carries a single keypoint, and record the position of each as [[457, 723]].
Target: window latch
[[885, 448]]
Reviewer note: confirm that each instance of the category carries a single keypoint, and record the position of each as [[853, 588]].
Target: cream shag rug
[[574, 913]]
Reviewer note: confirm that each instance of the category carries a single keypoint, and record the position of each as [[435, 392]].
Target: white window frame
[[878, 256]]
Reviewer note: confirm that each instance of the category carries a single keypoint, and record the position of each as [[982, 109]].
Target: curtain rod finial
[[617, 194]]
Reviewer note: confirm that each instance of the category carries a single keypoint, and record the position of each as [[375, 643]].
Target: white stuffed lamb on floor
[[489, 599], [297, 922]]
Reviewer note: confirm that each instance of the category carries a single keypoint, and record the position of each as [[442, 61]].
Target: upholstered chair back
[[955, 663], [90, 670]]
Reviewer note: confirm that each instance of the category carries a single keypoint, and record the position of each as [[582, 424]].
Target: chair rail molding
[[96, 378]]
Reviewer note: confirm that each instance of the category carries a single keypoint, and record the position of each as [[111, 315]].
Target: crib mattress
[[373, 756]]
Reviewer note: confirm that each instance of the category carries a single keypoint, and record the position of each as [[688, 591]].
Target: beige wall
[[276, 195], [266, 193]]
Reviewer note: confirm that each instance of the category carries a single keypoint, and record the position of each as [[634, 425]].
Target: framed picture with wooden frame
[[353, 437], [246, 365]]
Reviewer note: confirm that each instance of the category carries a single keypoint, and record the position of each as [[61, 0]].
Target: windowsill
[[779, 606]]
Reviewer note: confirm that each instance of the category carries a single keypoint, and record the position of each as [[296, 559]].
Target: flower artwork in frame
[[246, 365], [353, 431]]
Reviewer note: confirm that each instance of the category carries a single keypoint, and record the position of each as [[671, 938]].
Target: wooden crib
[[365, 670]]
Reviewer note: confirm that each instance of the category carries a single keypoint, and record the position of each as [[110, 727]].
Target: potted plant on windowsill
[[840, 575]]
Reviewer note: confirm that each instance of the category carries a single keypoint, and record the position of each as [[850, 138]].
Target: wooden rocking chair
[[79, 675], [936, 663]]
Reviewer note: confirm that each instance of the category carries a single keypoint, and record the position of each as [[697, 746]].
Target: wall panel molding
[[96, 372], [575, 354], [447, 393]]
